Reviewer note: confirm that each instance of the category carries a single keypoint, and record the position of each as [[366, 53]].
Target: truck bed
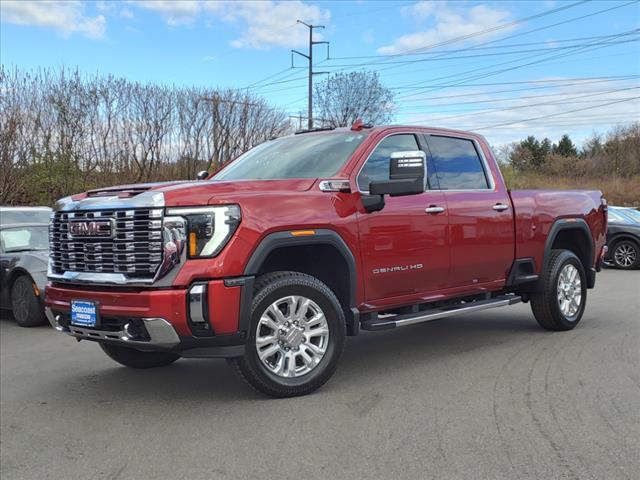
[[536, 210]]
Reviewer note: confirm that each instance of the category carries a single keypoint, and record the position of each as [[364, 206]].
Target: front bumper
[[160, 332], [158, 319]]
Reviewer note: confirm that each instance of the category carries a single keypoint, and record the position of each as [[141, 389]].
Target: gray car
[[24, 253]]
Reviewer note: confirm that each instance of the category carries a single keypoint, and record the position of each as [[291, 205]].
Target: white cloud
[[265, 23], [174, 12], [449, 22], [66, 17], [274, 23], [126, 13], [419, 10]]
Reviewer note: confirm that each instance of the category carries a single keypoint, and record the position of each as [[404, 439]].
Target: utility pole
[[309, 58]]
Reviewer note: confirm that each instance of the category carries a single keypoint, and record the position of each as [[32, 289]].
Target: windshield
[[27, 215], [623, 215], [27, 238], [298, 156]]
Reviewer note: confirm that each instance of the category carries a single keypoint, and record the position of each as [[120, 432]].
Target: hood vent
[[118, 192]]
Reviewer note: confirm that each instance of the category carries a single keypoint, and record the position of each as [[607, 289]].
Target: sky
[[505, 69]]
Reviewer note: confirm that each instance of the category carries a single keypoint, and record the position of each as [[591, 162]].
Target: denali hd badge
[[397, 268], [93, 228]]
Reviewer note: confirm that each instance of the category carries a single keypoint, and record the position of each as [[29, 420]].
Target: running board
[[438, 313]]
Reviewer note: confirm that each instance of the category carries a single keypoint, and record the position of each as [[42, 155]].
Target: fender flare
[[283, 239], [277, 240], [573, 224]]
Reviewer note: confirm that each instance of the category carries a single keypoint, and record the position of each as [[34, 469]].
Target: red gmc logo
[[97, 228]]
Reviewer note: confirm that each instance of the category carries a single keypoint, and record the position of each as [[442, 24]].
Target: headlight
[[208, 229]]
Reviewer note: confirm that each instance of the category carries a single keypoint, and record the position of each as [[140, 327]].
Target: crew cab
[[303, 240]]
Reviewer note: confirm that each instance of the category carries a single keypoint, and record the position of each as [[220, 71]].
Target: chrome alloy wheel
[[292, 336], [20, 301], [625, 255], [569, 290]]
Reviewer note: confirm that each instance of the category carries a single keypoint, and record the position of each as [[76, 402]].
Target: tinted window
[[24, 216], [377, 166], [457, 164], [297, 156]]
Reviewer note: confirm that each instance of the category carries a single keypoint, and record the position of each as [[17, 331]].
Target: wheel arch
[[573, 235], [623, 236], [14, 275], [324, 255]]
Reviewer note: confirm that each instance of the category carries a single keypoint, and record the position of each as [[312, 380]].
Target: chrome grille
[[134, 248]]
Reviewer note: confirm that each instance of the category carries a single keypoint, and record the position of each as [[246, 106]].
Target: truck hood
[[179, 193]]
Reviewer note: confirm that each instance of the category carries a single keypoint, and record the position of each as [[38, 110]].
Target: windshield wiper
[[18, 250]]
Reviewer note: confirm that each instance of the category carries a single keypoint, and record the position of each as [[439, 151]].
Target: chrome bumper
[[160, 331]]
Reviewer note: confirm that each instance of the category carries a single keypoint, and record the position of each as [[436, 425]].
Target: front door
[[404, 248]]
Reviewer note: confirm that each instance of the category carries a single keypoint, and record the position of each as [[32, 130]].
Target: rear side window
[[457, 164], [377, 166]]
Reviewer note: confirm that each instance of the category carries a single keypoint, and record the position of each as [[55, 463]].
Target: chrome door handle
[[434, 209], [499, 207]]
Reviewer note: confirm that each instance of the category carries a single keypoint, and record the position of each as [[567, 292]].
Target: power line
[[477, 48], [513, 99], [464, 37], [566, 101], [460, 38], [268, 78], [483, 55], [557, 114], [592, 46], [490, 30]]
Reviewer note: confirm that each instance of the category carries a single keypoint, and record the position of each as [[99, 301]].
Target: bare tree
[[344, 97], [62, 132]]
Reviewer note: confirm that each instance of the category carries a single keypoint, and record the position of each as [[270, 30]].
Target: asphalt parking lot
[[488, 395]]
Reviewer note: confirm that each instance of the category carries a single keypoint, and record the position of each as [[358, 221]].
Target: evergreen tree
[[565, 147]]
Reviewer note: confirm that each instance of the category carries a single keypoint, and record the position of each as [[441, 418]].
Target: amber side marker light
[[303, 233], [193, 244]]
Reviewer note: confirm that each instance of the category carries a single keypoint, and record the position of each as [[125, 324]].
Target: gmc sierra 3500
[[308, 238]]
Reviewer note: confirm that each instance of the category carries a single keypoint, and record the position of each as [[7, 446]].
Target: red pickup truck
[[308, 238]]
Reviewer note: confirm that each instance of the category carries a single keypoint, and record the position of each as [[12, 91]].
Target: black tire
[[130, 357], [623, 261], [25, 305], [545, 305], [268, 289]]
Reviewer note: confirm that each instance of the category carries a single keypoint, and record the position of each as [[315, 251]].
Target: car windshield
[[25, 238], [27, 215], [298, 156], [623, 215], [633, 214]]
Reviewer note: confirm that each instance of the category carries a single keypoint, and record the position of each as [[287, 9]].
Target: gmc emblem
[[94, 228]]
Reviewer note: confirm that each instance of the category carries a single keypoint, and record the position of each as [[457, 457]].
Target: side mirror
[[202, 175], [407, 172]]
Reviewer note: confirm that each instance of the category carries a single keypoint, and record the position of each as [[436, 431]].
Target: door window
[[377, 166], [457, 163]]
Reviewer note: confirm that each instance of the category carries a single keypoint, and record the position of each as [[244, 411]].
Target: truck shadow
[[366, 359]]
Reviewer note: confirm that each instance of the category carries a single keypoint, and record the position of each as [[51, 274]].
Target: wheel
[[130, 357], [626, 254], [562, 301], [297, 334], [25, 304]]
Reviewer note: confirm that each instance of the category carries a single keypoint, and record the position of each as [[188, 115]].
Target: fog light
[[198, 309]]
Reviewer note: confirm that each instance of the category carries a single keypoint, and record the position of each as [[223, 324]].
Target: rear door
[[481, 227], [404, 248]]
